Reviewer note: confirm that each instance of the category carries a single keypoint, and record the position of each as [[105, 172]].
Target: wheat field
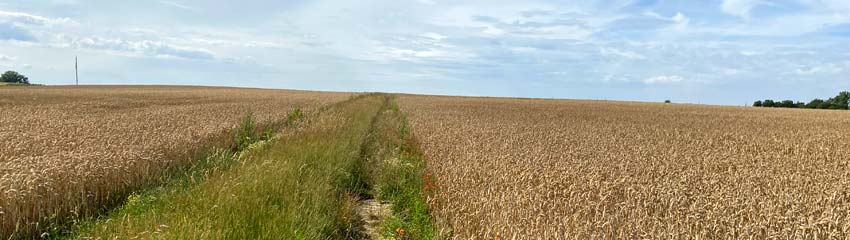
[[68, 151], [564, 169]]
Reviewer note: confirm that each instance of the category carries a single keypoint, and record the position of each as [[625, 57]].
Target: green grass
[[213, 154], [405, 184], [398, 176], [302, 184], [295, 187]]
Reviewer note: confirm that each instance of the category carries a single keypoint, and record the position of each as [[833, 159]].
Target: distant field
[[65, 151], [558, 169], [8, 84]]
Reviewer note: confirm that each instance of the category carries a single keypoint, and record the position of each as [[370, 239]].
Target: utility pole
[[76, 71]]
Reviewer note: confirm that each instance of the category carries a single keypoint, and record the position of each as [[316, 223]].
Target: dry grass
[[68, 151], [559, 169]]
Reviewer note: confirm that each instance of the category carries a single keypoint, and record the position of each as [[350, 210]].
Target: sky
[[728, 52]]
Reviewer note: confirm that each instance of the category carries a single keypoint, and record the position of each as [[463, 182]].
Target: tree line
[[837, 102]]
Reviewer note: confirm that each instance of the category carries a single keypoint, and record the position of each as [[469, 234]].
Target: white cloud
[[402, 54], [740, 8], [523, 50], [820, 69], [230, 43], [414, 53], [607, 51], [566, 29], [750, 53], [179, 5], [663, 79], [10, 31], [434, 36], [145, 47], [829, 5], [525, 19], [61, 32], [4, 58], [29, 19], [26, 27], [491, 30], [681, 21]]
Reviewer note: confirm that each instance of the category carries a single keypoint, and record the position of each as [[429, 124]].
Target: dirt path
[[372, 212]]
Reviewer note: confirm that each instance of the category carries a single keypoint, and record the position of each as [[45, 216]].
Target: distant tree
[[814, 103], [667, 101], [14, 77], [842, 100], [769, 103], [787, 104]]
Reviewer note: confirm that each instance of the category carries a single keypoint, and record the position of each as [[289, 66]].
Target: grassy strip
[[399, 177], [297, 187], [215, 152], [218, 154], [19, 85]]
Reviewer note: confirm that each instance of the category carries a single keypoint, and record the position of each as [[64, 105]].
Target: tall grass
[[296, 187], [396, 175], [245, 134], [214, 158]]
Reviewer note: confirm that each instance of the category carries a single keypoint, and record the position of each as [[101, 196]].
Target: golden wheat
[[67, 151], [562, 169]]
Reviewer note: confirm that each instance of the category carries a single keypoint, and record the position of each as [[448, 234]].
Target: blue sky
[[713, 51]]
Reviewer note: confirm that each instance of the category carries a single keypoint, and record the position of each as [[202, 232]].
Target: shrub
[[294, 116], [14, 77], [245, 134]]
